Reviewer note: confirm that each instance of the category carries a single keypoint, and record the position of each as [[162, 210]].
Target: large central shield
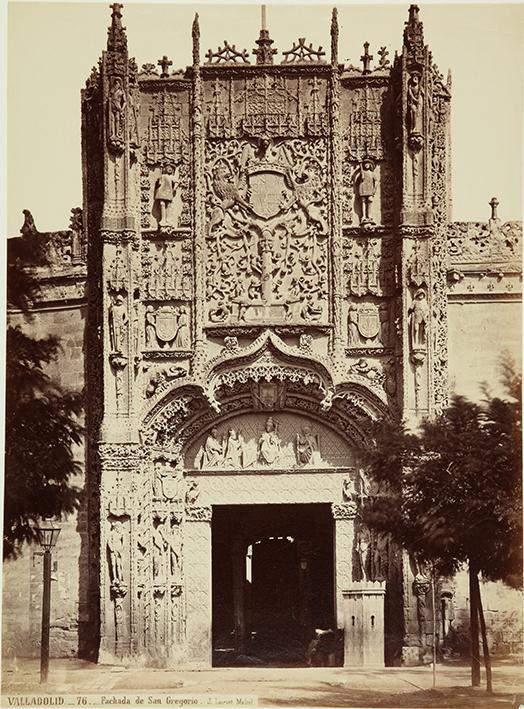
[[267, 192]]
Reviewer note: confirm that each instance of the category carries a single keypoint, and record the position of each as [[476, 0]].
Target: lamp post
[[48, 536]]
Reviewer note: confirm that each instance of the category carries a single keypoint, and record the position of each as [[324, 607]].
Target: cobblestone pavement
[[104, 685]]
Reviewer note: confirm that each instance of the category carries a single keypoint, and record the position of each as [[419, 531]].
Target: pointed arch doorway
[[272, 582]]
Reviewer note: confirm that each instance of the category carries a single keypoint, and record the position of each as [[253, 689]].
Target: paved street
[[330, 687]]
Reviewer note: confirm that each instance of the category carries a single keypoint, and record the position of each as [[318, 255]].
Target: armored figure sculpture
[[418, 320], [366, 185], [165, 190], [118, 324]]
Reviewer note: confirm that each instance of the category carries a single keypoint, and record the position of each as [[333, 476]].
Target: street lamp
[[48, 534]]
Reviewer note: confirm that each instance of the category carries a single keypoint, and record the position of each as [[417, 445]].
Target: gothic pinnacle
[[116, 34]]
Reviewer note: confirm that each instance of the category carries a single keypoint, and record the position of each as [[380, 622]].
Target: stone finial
[[116, 34], [414, 34], [265, 52], [366, 59], [195, 33], [494, 203], [164, 63], [334, 37]]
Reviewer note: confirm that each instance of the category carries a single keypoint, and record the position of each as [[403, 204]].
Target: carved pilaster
[[199, 188], [335, 193]]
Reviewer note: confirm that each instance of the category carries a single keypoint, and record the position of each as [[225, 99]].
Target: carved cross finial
[[366, 59], [164, 63], [494, 203]]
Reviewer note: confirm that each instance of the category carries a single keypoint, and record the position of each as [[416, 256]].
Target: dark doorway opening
[[273, 582]]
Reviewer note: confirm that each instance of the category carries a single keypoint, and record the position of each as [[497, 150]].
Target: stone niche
[[263, 441]]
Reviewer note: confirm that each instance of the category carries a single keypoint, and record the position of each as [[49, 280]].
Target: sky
[[52, 47]]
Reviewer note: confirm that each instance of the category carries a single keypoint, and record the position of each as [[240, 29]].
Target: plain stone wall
[[22, 578], [478, 333]]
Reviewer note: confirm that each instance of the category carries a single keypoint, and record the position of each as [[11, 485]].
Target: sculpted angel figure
[[306, 444]]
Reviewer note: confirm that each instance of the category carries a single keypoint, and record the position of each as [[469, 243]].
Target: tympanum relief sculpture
[[267, 232], [272, 442]]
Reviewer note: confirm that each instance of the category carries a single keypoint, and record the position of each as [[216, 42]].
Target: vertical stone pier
[[364, 624]]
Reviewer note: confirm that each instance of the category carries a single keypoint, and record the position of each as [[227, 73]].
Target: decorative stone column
[[197, 558], [364, 624], [344, 517]]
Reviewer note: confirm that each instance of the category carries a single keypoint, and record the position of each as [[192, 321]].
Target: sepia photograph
[[262, 440]]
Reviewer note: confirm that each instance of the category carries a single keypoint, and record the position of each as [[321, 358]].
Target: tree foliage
[[455, 487], [42, 422]]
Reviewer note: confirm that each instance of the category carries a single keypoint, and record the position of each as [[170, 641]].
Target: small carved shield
[[368, 321], [166, 324], [266, 192], [171, 486]]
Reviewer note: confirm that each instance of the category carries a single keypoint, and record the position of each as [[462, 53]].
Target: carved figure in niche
[[175, 550], [151, 341], [380, 556], [134, 135], [306, 445], [363, 552], [234, 449], [415, 110], [165, 190], [353, 333], [182, 334], [418, 320], [160, 545], [368, 487], [309, 311], [385, 321], [192, 494], [421, 586], [269, 443], [117, 273], [115, 547], [212, 452], [117, 106], [366, 186], [349, 490], [118, 320]]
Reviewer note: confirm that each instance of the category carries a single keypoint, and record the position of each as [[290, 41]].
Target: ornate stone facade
[[259, 286]]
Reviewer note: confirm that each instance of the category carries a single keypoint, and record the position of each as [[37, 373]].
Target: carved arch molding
[[267, 383]]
